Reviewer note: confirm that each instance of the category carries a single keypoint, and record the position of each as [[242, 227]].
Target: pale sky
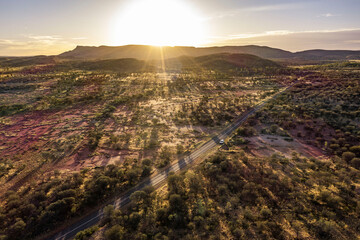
[[32, 27]]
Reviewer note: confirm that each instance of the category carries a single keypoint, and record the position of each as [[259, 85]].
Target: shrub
[[348, 156], [246, 131], [355, 162], [116, 232], [85, 234], [265, 213], [356, 150]]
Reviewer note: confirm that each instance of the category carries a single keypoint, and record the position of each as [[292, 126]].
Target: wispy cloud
[[6, 42], [274, 7], [297, 40], [41, 37], [287, 32], [37, 44], [253, 35], [79, 38], [329, 15], [353, 41], [259, 8]]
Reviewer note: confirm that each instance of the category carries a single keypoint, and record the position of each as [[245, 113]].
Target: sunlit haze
[[52, 26], [179, 119], [157, 22]]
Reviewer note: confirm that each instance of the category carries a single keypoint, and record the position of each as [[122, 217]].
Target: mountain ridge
[[146, 52]]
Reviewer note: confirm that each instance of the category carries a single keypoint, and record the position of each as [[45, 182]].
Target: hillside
[[235, 60], [219, 62], [125, 65], [25, 61], [320, 54], [75, 133], [149, 52], [155, 53], [222, 61]]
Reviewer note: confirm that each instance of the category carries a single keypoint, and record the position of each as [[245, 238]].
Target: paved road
[[159, 178]]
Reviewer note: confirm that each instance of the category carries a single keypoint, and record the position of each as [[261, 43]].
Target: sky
[[33, 27]]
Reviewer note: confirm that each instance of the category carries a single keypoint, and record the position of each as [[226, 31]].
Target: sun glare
[[158, 23]]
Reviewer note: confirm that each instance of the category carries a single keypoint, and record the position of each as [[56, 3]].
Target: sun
[[158, 23]]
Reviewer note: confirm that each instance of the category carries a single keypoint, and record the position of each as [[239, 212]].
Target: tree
[[356, 150], [161, 216], [109, 213], [348, 156], [165, 156], [193, 182], [179, 149], [177, 204], [246, 131], [85, 234], [102, 184], [134, 220], [94, 137], [265, 212], [355, 162], [17, 229], [326, 229], [146, 167], [116, 232], [141, 199], [154, 141], [133, 175], [176, 184]]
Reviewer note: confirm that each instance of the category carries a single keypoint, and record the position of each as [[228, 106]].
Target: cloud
[[295, 41], [329, 15], [7, 42], [273, 7], [79, 38], [353, 41], [36, 45], [48, 38], [258, 8], [253, 35], [287, 32]]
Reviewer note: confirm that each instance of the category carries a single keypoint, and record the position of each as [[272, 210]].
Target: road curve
[[160, 177]]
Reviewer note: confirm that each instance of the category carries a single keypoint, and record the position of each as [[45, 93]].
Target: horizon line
[[198, 47]]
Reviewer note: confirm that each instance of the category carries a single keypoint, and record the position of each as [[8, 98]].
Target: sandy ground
[[266, 145], [27, 136]]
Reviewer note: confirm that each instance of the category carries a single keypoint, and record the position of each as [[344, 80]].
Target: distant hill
[[116, 65], [218, 61], [319, 54], [26, 61], [221, 61], [144, 52]]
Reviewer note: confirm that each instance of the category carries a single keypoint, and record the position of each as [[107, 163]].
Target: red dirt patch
[[265, 145]]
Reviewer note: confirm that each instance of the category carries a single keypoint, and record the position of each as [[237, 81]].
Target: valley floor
[[71, 140]]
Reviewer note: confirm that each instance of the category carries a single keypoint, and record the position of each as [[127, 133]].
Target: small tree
[[179, 149], [116, 232], [355, 162], [165, 156], [265, 212], [109, 213], [356, 150], [348, 156], [17, 230]]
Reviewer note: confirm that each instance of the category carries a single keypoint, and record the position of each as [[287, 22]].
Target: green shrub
[[348, 156], [116, 232]]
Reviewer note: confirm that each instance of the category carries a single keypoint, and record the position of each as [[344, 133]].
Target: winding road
[[159, 178]]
